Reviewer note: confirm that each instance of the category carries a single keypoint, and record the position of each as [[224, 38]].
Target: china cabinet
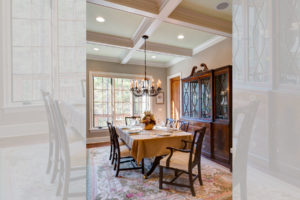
[[207, 101]]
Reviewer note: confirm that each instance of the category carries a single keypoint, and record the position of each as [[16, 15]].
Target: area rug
[[102, 183]]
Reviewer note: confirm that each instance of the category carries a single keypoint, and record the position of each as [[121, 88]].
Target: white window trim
[[169, 93], [110, 75], [6, 54]]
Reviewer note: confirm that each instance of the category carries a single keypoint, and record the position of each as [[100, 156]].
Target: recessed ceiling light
[[100, 19], [96, 49], [180, 37], [153, 57], [222, 6]]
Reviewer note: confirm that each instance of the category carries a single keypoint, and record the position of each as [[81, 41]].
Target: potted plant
[[148, 120]]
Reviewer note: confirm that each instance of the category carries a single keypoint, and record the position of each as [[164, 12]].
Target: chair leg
[[199, 174], [115, 160], [161, 174], [55, 165], [60, 179], [191, 183], [50, 156], [114, 156], [118, 165], [143, 170], [110, 155], [66, 186]]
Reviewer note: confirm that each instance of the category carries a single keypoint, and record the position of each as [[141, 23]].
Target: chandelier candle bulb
[[158, 84], [152, 82], [131, 84]]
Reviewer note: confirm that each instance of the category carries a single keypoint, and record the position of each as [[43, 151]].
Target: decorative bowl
[[149, 126]]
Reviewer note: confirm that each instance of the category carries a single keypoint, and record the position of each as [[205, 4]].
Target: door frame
[[169, 93]]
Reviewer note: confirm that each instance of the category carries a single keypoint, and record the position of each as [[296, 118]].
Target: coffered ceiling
[[177, 29]]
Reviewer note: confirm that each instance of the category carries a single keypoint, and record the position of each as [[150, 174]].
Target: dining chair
[[67, 162], [122, 155], [112, 146], [183, 125], [170, 122], [53, 154], [183, 161], [128, 120]]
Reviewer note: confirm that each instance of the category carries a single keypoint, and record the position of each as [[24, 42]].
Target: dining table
[[151, 143]]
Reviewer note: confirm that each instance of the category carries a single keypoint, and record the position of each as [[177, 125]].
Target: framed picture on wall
[[160, 98]]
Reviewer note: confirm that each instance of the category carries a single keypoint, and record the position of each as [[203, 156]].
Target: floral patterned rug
[[102, 183]]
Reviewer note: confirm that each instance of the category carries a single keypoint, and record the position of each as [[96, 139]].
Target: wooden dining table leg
[[154, 165]]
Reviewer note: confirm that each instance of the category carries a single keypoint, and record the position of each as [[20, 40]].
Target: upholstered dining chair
[[128, 120], [183, 125], [122, 155], [184, 161], [170, 122]]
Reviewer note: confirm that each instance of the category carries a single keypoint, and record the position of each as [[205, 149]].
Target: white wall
[[215, 56]]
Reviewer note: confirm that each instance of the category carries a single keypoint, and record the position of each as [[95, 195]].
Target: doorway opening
[[175, 98]]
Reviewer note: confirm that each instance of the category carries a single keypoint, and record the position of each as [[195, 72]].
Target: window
[[44, 49], [113, 101], [31, 50]]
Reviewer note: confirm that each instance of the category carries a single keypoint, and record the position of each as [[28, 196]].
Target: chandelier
[[143, 88]]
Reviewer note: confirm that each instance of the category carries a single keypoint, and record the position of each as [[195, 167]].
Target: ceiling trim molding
[[131, 62], [123, 8], [102, 58], [112, 40], [205, 22], [149, 64], [208, 44], [116, 41], [168, 49]]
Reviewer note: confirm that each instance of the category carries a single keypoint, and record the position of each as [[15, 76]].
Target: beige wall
[[216, 56], [157, 73]]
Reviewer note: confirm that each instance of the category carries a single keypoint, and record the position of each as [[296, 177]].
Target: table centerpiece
[[148, 120]]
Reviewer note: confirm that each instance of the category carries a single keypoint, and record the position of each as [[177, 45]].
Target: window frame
[[7, 58], [92, 74]]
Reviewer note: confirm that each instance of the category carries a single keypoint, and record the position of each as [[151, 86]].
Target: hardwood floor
[[102, 144]]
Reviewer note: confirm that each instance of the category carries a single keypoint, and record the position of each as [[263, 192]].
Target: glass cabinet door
[[221, 96], [205, 86], [194, 99], [186, 99]]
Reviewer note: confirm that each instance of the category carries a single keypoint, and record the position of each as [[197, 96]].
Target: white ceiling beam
[[190, 18], [123, 8], [101, 38], [147, 28], [168, 49], [102, 58], [120, 42], [208, 44]]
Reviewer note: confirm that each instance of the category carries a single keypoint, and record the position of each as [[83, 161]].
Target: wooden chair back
[[109, 125], [196, 147], [171, 122], [183, 125], [115, 140]]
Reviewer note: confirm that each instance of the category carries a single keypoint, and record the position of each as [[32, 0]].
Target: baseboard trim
[[94, 140]]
